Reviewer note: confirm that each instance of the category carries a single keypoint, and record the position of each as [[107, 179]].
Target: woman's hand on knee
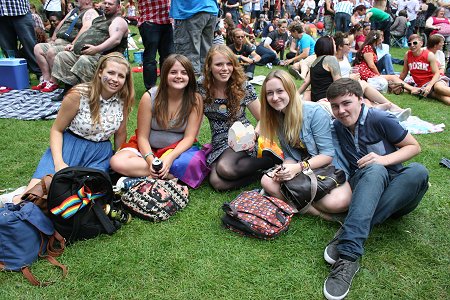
[[60, 166]]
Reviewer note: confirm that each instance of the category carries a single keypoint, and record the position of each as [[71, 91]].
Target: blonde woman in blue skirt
[[90, 114]]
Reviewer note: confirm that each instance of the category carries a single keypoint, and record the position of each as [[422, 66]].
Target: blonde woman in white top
[[89, 116]]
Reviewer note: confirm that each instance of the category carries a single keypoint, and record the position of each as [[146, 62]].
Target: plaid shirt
[[14, 7], [154, 11]]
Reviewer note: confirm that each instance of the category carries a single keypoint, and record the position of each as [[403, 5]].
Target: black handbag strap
[[103, 218]]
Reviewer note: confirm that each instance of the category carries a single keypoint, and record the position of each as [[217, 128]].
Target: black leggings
[[233, 170]]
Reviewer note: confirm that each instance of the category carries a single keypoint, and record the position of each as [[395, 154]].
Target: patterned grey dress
[[218, 117]]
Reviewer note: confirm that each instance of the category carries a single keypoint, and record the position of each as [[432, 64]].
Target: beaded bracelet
[[305, 165], [147, 155]]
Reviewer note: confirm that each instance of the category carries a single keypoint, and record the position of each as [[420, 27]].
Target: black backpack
[[77, 219]]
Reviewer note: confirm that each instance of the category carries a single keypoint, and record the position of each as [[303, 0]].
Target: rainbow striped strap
[[74, 203]]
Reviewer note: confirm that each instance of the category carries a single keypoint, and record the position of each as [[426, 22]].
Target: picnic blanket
[[415, 125], [28, 105]]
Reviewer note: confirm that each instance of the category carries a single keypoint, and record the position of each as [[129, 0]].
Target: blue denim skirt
[[77, 151]]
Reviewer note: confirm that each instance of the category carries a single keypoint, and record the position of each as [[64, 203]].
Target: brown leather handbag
[[38, 193], [395, 87]]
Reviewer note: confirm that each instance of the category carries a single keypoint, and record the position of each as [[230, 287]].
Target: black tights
[[233, 170]]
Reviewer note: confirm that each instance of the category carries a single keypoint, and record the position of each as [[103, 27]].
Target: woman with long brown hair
[[226, 95], [366, 59], [169, 118]]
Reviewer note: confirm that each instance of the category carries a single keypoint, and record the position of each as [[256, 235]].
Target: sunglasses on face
[[412, 43]]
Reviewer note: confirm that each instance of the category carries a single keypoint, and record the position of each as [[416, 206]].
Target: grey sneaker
[[330, 254], [337, 285], [295, 73]]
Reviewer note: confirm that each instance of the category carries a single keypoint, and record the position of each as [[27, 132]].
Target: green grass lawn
[[191, 256]]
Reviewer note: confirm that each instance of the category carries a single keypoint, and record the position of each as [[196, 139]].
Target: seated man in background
[[273, 45], [245, 26], [375, 146], [108, 33], [423, 68], [302, 50], [247, 57], [66, 32]]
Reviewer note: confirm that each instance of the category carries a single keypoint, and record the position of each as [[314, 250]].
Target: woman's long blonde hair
[[270, 122], [93, 89], [235, 89]]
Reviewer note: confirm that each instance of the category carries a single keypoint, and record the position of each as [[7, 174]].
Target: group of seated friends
[[333, 118]]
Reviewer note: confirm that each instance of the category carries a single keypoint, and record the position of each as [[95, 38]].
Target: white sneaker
[[8, 198], [402, 115]]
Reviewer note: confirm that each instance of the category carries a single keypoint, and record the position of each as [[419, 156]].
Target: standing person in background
[[130, 15], [344, 11], [247, 7], [17, 23], [233, 9], [256, 9], [54, 8], [412, 7], [380, 20], [329, 17], [194, 29], [157, 36]]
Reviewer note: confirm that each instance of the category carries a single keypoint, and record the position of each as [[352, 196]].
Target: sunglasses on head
[[412, 43]]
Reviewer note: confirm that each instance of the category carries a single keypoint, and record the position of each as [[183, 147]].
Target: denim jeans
[[342, 21], [155, 37], [384, 65], [22, 28], [267, 55], [249, 70], [193, 37], [377, 195]]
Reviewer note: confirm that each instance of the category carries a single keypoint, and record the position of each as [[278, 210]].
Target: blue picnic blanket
[[28, 105]]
